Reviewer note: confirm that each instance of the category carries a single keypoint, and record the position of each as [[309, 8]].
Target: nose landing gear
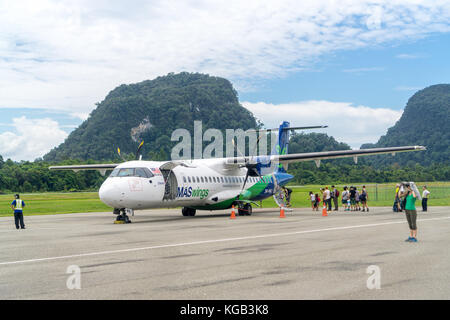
[[122, 216], [188, 212]]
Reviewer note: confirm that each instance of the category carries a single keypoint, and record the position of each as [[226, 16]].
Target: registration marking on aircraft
[[272, 235]]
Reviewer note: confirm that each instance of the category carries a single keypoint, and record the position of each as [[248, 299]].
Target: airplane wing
[[317, 156], [101, 167], [296, 157]]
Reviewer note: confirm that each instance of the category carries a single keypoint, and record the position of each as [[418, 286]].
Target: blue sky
[[351, 64], [379, 77]]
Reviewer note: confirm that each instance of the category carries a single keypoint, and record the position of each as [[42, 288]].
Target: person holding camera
[[411, 212]]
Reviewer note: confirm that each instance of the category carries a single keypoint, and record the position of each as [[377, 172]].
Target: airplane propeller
[[138, 149], [251, 167], [137, 152]]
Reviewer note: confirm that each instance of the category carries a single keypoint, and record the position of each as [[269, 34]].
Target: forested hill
[[150, 111], [425, 121]]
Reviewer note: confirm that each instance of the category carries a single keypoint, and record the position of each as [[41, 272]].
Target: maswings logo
[[185, 192]]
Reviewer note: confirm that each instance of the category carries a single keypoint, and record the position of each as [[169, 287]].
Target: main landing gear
[[188, 212], [121, 216], [245, 209]]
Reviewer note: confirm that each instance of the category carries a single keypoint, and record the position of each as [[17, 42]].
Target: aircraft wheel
[[188, 212], [248, 209]]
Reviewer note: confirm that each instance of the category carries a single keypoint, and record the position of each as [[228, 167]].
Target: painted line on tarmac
[[215, 241]]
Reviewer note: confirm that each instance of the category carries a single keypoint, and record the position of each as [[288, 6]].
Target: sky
[[351, 65]]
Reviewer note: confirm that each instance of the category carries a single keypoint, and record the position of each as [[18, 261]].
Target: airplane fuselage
[[204, 185]]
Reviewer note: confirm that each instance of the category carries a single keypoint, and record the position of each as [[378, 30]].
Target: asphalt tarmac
[[163, 255]]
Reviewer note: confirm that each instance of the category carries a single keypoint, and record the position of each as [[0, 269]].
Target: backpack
[[337, 193]]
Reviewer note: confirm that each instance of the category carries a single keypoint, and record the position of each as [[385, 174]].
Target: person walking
[[17, 205], [411, 213], [425, 194]]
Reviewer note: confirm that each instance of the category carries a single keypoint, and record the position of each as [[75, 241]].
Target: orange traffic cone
[[324, 210], [282, 212], [233, 214]]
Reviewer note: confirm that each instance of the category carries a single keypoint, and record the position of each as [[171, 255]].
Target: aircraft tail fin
[[282, 143]]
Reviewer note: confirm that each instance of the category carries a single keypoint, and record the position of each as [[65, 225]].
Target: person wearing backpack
[[335, 197], [363, 197], [317, 202]]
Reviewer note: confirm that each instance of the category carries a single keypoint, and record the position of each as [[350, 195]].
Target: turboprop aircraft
[[210, 184]]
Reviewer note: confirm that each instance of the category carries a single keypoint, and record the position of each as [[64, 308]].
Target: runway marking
[[215, 241]]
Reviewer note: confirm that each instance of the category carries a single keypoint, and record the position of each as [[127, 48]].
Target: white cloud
[[32, 138], [347, 123], [66, 54], [407, 56]]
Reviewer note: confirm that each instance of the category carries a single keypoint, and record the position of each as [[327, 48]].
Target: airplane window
[[126, 172], [115, 172], [143, 173], [210, 180], [202, 179], [189, 179], [184, 179], [214, 179], [221, 179]]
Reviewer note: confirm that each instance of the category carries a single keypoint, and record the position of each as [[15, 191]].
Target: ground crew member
[[17, 205]]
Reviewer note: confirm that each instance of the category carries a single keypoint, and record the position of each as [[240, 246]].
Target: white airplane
[[209, 184]]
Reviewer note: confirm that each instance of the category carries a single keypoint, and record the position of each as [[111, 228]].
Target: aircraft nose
[[109, 193]]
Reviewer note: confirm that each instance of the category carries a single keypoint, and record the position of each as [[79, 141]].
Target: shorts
[[411, 217], [352, 202], [344, 201]]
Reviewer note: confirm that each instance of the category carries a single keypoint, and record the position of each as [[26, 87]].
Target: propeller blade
[[138, 149], [120, 155]]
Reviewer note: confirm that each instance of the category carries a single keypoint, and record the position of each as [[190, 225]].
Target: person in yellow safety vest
[[17, 205]]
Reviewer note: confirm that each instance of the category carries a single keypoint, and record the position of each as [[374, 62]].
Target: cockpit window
[[114, 172], [132, 172], [143, 173], [126, 172]]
